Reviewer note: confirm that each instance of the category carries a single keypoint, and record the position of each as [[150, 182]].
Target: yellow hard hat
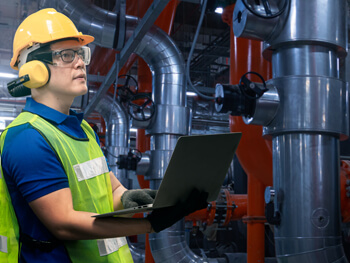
[[44, 26]]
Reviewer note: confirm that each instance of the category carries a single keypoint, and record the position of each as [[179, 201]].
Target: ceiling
[[209, 61]]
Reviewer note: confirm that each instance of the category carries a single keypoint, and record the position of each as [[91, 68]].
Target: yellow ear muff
[[38, 72]]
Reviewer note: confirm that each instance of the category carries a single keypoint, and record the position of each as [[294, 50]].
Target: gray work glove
[[162, 218], [137, 197]]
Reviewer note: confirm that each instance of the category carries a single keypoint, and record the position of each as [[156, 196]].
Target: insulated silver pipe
[[308, 187], [172, 121], [305, 45], [117, 134], [170, 246], [169, 95], [312, 115]]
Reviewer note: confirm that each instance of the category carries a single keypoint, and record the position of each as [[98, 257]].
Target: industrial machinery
[[286, 197]]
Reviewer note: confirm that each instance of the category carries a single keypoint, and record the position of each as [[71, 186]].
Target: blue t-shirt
[[31, 170]]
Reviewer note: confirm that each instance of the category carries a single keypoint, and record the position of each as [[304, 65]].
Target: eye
[[67, 55], [80, 53]]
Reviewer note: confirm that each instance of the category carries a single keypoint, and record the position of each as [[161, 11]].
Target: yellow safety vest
[[89, 182]]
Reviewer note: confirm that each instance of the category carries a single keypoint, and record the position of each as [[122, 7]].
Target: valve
[[273, 216], [126, 91], [239, 100], [129, 161], [143, 111], [266, 9]]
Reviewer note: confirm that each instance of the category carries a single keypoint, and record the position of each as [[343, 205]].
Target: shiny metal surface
[[166, 63], [170, 246], [265, 109], [305, 60], [162, 146], [117, 134], [170, 119], [247, 25], [91, 20], [159, 163], [144, 164], [306, 169], [138, 254], [306, 48], [310, 104], [313, 22], [163, 141]]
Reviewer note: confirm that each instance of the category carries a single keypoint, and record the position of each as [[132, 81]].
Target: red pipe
[[253, 152], [344, 183], [233, 212]]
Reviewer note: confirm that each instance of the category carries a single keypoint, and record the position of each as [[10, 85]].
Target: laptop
[[198, 161]]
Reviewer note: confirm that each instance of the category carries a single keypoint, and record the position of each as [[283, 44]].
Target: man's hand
[[165, 217], [136, 197]]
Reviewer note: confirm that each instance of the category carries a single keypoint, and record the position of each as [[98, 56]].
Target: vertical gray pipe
[[312, 115], [306, 44], [117, 134], [308, 186]]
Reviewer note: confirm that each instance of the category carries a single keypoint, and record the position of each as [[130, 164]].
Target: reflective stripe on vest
[[110, 245], [3, 244], [91, 168]]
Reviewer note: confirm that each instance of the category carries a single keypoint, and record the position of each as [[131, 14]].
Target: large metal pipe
[[310, 223], [306, 154], [117, 134], [313, 113]]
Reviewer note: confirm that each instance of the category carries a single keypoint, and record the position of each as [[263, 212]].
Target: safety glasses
[[69, 55]]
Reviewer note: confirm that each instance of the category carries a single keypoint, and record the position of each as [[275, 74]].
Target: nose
[[79, 63]]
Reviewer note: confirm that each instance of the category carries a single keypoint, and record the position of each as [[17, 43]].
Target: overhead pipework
[[311, 118]]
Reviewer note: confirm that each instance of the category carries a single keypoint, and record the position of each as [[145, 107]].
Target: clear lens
[[86, 56], [68, 55]]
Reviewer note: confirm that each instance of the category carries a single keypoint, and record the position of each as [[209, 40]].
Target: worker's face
[[67, 78]]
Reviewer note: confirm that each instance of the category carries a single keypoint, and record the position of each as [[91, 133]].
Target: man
[[54, 175]]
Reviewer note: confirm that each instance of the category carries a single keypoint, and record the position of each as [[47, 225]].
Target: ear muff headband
[[38, 72]]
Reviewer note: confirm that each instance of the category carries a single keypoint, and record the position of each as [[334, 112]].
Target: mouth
[[81, 76]]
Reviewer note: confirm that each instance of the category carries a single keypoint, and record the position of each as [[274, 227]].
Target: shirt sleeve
[[31, 163]]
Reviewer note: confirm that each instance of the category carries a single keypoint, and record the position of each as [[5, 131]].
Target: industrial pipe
[[305, 50], [117, 134]]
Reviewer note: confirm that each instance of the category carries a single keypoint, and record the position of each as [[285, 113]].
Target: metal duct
[[205, 119], [169, 95], [170, 246], [313, 114], [138, 254], [117, 134], [88, 18]]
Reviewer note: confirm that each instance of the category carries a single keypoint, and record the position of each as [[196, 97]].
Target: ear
[[38, 72]]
